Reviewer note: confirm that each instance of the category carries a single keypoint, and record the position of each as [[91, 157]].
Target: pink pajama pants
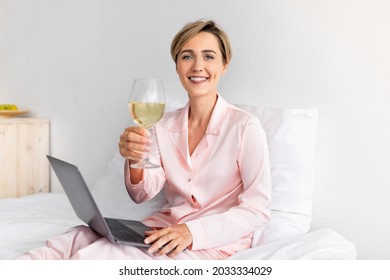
[[83, 243]]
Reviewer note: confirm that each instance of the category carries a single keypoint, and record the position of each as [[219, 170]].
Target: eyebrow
[[203, 51]]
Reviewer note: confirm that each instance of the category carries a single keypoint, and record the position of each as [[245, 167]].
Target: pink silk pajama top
[[222, 191]]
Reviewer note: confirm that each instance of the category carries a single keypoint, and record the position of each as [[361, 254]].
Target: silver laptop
[[116, 230]]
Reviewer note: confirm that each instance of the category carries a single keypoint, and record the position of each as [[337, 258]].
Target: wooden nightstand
[[24, 168]]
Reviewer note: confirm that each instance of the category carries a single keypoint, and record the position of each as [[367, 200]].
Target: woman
[[215, 168]]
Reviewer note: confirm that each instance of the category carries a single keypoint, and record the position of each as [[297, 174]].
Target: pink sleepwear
[[221, 192]]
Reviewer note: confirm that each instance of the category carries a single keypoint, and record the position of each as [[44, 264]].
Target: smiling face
[[200, 65]]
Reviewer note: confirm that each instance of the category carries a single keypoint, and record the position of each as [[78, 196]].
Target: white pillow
[[291, 136]]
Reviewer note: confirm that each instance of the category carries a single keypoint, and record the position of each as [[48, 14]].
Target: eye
[[186, 57], [209, 57]]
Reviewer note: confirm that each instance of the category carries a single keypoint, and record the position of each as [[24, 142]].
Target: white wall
[[73, 62]]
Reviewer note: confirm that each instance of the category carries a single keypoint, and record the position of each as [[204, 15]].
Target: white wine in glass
[[147, 106]]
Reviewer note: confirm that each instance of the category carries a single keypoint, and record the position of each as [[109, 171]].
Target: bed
[[26, 222]]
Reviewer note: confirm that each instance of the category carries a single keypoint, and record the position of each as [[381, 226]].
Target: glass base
[[144, 165]]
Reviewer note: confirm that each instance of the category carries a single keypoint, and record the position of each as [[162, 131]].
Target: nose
[[197, 66]]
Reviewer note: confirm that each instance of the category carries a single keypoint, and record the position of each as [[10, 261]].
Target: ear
[[224, 69]]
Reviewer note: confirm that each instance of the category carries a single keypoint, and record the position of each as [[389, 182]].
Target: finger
[[136, 157], [135, 153], [159, 239], [138, 130], [130, 149], [177, 250], [132, 137], [168, 249], [158, 246], [132, 131], [182, 244], [154, 235], [136, 147], [149, 232]]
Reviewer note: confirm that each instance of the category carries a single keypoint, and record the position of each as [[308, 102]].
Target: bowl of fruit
[[11, 110]]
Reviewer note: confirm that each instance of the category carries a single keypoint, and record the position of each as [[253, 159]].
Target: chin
[[200, 93]]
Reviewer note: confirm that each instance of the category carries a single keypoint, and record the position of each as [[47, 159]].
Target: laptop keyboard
[[122, 232]]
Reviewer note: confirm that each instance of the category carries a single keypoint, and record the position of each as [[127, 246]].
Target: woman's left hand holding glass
[[169, 241]]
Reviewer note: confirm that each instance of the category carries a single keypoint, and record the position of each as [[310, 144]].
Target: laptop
[[119, 231]]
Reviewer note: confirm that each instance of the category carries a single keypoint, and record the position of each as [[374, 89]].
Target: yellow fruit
[[8, 107]]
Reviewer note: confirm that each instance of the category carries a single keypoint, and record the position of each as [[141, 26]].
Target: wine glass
[[147, 106]]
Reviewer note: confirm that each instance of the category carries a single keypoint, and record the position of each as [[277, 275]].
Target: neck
[[201, 109]]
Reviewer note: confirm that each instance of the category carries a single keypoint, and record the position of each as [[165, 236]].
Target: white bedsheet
[[26, 222]]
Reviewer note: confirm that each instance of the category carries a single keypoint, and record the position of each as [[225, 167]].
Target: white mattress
[[26, 222]]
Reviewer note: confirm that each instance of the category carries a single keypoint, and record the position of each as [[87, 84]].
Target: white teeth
[[198, 79]]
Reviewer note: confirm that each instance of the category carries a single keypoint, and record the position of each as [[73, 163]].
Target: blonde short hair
[[192, 29]]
